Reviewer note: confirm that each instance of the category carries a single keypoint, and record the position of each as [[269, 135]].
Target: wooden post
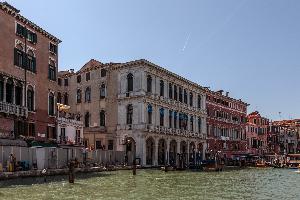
[[71, 172], [134, 160]]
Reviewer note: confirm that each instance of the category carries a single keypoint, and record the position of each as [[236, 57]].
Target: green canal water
[[155, 184]]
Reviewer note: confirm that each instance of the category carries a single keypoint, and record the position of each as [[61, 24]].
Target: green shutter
[[24, 58], [34, 38], [34, 64], [16, 57]]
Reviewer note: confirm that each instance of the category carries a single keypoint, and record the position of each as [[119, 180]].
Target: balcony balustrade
[[13, 109]]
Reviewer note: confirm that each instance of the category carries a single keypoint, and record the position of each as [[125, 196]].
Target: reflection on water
[[155, 184]]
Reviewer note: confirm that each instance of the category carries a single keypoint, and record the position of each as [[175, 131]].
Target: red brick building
[[226, 123], [28, 69], [257, 132]]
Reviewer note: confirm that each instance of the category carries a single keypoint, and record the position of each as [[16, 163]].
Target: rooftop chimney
[[227, 94], [72, 70]]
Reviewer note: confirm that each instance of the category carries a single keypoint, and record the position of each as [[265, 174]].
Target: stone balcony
[[13, 109], [62, 120]]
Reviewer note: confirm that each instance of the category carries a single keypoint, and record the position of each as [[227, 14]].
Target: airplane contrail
[[186, 42]]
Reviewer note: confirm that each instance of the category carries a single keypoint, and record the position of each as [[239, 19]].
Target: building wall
[[226, 122], [9, 40]]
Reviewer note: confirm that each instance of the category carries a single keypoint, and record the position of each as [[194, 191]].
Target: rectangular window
[[59, 81], [31, 129], [103, 72], [21, 30], [53, 48], [63, 132], [87, 76], [78, 78], [32, 37], [110, 145], [98, 144], [52, 73], [66, 82]]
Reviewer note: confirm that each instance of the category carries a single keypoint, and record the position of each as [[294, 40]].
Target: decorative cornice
[[15, 13]]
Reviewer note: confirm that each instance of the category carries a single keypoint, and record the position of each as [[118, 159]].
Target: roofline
[[15, 13], [146, 62], [227, 97]]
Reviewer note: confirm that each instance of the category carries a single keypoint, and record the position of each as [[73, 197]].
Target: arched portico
[[161, 151], [150, 151], [172, 153]]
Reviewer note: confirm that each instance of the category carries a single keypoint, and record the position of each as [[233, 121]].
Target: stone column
[[14, 93], [23, 96], [143, 143], [155, 163]]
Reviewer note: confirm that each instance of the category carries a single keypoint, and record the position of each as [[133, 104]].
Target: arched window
[[18, 56], [31, 62], [18, 93], [102, 91], [102, 118], [170, 91], [175, 119], [191, 123], [170, 118], [175, 92], [199, 125], [103, 72], [162, 87], [185, 97], [87, 119], [161, 116], [78, 96], [52, 71], [51, 104], [199, 101], [30, 98], [66, 99], [149, 83], [191, 99], [129, 114], [149, 111], [180, 94], [88, 94], [129, 82], [9, 91], [58, 97]]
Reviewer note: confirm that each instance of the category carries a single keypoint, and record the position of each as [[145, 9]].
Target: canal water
[[245, 184]]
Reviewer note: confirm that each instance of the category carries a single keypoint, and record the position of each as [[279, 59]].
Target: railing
[[62, 120], [13, 109], [67, 140]]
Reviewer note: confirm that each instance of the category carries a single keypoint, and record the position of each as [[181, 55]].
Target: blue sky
[[247, 47]]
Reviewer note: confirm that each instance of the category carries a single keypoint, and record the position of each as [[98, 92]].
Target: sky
[[249, 48]]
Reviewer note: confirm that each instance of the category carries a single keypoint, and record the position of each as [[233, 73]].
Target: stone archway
[[192, 153], [172, 153], [162, 147], [130, 150], [183, 154], [150, 151]]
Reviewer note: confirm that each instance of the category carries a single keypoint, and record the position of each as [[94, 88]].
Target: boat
[[212, 165], [261, 164]]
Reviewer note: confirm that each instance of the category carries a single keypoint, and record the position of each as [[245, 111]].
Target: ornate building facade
[[226, 124], [139, 108], [29, 57], [161, 116]]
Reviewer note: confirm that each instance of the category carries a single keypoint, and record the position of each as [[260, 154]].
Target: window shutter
[[24, 32], [49, 72], [24, 58], [16, 57], [34, 64], [34, 38]]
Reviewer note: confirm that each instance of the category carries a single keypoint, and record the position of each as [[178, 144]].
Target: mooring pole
[[71, 172]]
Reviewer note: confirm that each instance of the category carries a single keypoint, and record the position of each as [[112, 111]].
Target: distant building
[[258, 132], [285, 136], [27, 100], [226, 124]]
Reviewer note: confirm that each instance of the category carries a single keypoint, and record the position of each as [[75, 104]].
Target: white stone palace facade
[[160, 113], [139, 108]]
